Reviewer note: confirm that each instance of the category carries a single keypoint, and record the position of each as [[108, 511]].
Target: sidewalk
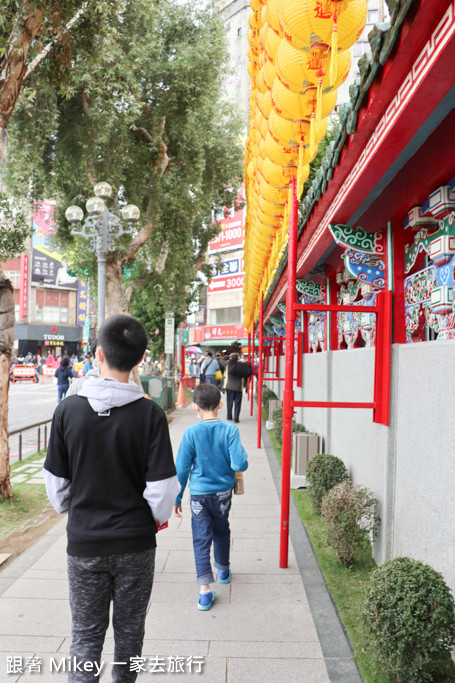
[[261, 627]]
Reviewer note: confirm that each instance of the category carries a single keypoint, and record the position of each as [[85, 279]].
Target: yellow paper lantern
[[299, 70], [272, 194], [264, 102], [304, 22], [289, 134], [278, 176], [271, 42], [273, 7], [293, 107]]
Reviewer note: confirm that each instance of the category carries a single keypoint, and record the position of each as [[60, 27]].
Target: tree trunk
[[114, 289], [6, 347]]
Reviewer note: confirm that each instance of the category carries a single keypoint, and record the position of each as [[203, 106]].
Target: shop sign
[[23, 286], [169, 334], [232, 232], [227, 275], [82, 309], [225, 332]]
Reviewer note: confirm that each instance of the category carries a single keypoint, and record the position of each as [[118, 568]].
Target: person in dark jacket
[[63, 374], [109, 465], [233, 384]]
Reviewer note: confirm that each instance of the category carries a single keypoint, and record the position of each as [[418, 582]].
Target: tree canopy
[[144, 112]]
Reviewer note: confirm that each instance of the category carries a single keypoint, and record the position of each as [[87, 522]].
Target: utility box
[[274, 404], [304, 447], [162, 391], [156, 391]]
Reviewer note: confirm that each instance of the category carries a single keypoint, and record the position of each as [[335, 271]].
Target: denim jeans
[[94, 582], [61, 391], [210, 379], [210, 523]]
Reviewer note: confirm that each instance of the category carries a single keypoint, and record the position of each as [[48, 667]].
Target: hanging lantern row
[[299, 54]]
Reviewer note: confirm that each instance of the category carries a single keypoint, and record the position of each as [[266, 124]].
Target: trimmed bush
[[323, 472], [277, 417], [349, 513], [409, 620], [267, 394]]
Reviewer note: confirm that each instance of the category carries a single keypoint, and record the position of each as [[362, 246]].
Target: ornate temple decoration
[[279, 326], [362, 277], [429, 291], [314, 293]]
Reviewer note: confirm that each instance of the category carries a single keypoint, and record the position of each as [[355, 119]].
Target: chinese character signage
[[23, 287], [49, 268], [82, 303], [227, 275], [225, 332], [231, 235]]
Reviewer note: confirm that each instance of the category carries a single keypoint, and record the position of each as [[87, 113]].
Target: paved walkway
[[268, 624]]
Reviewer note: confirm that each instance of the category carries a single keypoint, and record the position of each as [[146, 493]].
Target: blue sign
[[229, 267]]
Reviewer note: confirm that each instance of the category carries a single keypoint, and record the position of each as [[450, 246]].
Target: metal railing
[[36, 425]]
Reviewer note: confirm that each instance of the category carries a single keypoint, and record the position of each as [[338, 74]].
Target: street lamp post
[[102, 228]]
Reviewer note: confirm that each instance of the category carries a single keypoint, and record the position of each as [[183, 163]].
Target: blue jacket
[[210, 454], [210, 366]]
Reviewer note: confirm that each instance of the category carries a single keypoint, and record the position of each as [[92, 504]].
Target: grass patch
[[39, 455], [346, 584], [29, 501]]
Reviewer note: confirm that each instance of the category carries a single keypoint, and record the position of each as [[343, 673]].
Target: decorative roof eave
[[382, 40]]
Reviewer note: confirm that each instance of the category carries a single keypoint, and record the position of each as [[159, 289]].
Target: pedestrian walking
[[63, 374], [77, 384], [88, 364], [109, 464], [210, 454], [209, 368], [235, 375]]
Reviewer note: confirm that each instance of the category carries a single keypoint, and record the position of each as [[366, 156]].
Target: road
[[29, 403]]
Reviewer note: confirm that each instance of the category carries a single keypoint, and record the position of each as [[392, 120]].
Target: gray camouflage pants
[[93, 582]]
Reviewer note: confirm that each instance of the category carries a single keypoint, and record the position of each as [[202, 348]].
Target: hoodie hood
[[104, 394]]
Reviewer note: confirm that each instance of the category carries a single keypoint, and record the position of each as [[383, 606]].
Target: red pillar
[[182, 359], [260, 373], [288, 394]]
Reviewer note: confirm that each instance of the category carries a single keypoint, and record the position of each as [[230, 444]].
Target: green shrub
[[323, 472], [349, 513], [277, 417], [409, 620], [267, 394]]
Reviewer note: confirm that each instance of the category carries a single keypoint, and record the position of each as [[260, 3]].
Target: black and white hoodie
[[109, 464]]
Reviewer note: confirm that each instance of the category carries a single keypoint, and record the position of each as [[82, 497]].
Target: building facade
[[380, 218], [51, 305]]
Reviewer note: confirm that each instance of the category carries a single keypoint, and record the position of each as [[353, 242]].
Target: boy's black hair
[[123, 340], [207, 396]]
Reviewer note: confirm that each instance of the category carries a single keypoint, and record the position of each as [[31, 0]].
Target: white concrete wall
[[409, 465]]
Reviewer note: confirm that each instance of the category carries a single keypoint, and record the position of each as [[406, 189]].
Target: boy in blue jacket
[[210, 454]]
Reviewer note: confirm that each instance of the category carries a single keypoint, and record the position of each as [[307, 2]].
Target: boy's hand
[[177, 510]]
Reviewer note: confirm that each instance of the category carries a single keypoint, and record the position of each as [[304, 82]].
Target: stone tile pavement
[[268, 624]]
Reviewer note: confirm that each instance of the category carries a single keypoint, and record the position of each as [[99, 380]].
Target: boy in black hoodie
[[109, 464]]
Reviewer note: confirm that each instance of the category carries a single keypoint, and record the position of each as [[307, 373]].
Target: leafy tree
[[29, 31], [145, 114], [14, 229]]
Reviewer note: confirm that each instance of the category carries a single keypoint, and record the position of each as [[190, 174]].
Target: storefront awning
[[225, 343]]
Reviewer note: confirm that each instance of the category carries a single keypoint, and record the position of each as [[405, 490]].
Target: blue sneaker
[[206, 600], [224, 577]]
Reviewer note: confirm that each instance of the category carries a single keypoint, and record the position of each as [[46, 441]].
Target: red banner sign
[[23, 287], [226, 283], [225, 332]]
